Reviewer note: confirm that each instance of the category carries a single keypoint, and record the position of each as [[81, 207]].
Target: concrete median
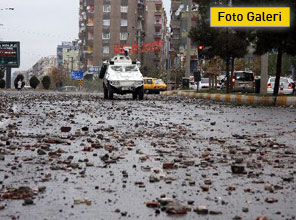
[[237, 98]]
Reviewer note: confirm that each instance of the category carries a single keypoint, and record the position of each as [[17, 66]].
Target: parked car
[[193, 85], [69, 89], [243, 81], [153, 85], [285, 87], [204, 83], [27, 87]]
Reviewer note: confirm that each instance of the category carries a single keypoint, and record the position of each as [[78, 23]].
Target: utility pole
[[264, 74], [188, 45]]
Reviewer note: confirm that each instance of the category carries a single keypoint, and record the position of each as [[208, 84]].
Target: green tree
[[228, 43], [2, 72], [18, 78], [2, 83], [277, 40], [34, 82], [46, 82]]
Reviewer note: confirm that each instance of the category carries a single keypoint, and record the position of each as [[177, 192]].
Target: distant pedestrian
[[19, 85]]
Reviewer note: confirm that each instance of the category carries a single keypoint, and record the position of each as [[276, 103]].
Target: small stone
[[205, 154], [153, 179], [168, 166], [245, 209], [268, 187], [65, 129], [201, 210], [287, 178], [28, 201], [262, 218], [238, 169], [190, 202], [271, 200], [205, 188], [2, 206], [208, 181], [152, 204], [215, 212], [41, 152], [213, 123], [41, 189]]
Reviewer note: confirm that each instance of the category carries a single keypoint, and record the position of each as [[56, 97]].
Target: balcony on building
[[158, 13], [157, 35], [158, 24]]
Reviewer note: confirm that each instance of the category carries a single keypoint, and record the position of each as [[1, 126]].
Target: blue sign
[[77, 75]]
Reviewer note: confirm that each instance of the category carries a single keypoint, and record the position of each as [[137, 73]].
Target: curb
[[243, 99]]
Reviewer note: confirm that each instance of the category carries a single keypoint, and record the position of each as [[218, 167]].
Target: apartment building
[[68, 55], [106, 25], [155, 30], [180, 28]]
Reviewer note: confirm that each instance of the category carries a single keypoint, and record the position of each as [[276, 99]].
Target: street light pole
[[188, 45]]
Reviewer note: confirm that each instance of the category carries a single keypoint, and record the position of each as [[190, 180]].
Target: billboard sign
[[77, 75], [93, 69], [9, 54]]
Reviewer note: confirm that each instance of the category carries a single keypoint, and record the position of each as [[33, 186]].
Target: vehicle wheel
[[141, 93], [110, 92], [105, 91], [135, 94], [146, 91]]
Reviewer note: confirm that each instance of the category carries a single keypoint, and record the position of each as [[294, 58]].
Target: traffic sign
[[77, 75]]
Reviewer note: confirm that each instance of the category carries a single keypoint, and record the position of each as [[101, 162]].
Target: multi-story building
[[68, 55], [180, 27], [44, 66], [106, 24], [155, 30]]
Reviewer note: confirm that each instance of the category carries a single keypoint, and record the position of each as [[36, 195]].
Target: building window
[[124, 9], [123, 36], [106, 22], [106, 36], [123, 22], [106, 8], [106, 49]]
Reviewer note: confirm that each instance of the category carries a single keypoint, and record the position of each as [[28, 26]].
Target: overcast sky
[[40, 26]]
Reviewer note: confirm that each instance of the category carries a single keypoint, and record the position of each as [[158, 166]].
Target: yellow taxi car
[[153, 85]]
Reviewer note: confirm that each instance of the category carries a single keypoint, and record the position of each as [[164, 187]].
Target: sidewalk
[[237, 98]]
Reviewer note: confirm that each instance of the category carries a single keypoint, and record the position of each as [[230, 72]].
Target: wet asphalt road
[[115, 148]]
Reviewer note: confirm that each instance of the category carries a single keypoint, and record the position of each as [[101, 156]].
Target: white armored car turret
[[121, 75]]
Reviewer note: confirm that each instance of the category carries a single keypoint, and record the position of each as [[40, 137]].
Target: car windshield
[[244, 76], [117, 68], [132, 68], [282, 80], [205, 80], [159, 81]]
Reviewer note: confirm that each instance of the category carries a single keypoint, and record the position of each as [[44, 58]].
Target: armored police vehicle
[[121, 75]]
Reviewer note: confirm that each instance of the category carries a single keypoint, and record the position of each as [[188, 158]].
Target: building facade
[[180, 27], [106, 25], [155, 30], [68, 55], [44, 66]]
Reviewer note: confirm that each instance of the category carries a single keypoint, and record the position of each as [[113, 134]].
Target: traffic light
[[201, 52]]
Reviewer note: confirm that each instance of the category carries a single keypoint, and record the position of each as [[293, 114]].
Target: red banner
[[146, 47]]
